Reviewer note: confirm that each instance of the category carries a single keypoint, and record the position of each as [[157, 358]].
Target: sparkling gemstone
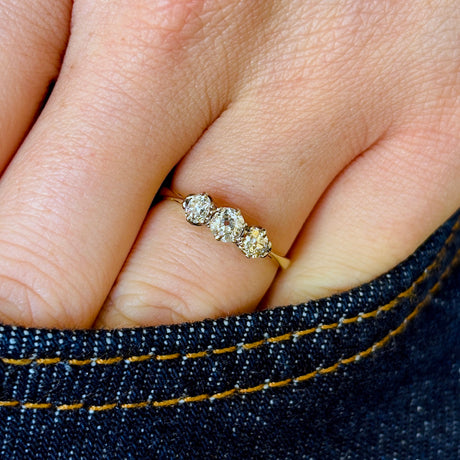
[[227, 224], [254, 242], [198, 208]]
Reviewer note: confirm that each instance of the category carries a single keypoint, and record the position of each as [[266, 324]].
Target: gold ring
[[227, 225]]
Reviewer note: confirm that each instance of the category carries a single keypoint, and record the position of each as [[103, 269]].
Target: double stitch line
[[247, 346], [242, 391]]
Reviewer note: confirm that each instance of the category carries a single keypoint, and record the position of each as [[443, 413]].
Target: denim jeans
[[372, 373]]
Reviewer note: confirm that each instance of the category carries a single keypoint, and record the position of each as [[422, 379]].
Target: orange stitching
[[348, 360], [37, 405], [252, 389], [247, 346], [199, 354], [137, 359], [9, 403], [165, 357], [17, 362], [79, 362], [282, 383], [369, 314], [135, 405], [224, 394], [103, 407], [189, 399], [69, 406], [306, 332], [304, 378], [280, 338], [108, 360], [219, 351], [168, 402], [326, 370], [329, 326], [47, 361]]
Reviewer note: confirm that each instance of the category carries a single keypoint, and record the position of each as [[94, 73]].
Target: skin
[[334, 125]]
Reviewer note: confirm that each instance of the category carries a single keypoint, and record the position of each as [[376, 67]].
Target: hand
[[334, 125]]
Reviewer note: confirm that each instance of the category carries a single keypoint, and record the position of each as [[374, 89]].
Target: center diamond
[[227, 224]]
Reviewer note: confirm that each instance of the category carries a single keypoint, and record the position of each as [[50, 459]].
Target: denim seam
[[251, 345], [241, 391]]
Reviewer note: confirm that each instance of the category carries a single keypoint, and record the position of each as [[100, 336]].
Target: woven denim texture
[[371, 373]]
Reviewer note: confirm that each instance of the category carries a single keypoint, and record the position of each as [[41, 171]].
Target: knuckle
[[36, 291], [172, 21], [160, 25], [21, 303], [134, 46], [140, 303]]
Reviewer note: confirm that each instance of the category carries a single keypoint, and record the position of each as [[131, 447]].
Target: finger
[[271, 154], [392, 197], [33, 35], [374, 215], [120, 117], [178, 272]]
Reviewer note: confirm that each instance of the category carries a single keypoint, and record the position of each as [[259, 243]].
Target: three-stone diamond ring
[[227, 225]]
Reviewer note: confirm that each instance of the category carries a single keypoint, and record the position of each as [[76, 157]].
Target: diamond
[[227, 224], [198, 208], [254, 242]]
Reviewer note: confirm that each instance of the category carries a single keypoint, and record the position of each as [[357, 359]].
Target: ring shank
[[283, 262]]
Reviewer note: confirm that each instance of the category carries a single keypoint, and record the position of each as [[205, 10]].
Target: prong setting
[[198, 208], [254, 242]]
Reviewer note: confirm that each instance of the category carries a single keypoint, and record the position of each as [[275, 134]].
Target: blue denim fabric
[[371, 373]]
